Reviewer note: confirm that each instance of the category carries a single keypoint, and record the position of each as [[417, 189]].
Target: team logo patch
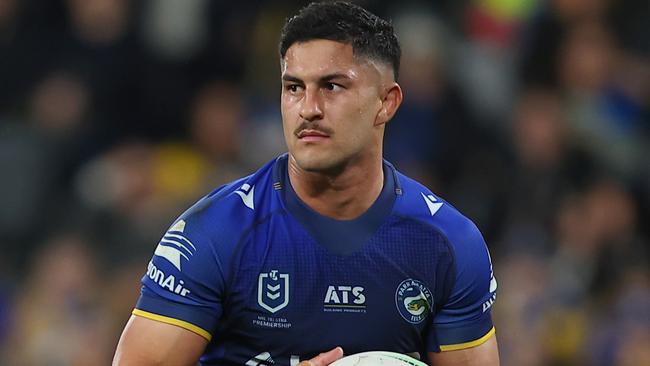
[[413, 300], [273, 290]]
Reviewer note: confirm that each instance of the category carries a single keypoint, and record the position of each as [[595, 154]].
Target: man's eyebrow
[[333, 76], [325, 78], [287, 77]]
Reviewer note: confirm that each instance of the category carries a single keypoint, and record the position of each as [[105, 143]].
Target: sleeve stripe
[[478, 342], [180, 323]]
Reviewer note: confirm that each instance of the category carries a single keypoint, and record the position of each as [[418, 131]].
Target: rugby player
[[327, 249]]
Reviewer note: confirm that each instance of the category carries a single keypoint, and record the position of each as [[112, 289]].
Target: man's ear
[[390, 102]]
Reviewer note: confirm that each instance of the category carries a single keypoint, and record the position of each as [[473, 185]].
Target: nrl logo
[[273, 290]]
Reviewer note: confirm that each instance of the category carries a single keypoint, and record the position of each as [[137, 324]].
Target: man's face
[[330, 104]]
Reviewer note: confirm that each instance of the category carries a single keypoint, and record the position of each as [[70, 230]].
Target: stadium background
[[530, 116]]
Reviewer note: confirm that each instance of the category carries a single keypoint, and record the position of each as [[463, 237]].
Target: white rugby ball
[[378, 358]]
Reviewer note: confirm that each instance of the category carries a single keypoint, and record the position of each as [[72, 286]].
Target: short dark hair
[[369, 35]]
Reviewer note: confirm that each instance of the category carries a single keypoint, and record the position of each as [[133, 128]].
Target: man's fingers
[[324, 358]]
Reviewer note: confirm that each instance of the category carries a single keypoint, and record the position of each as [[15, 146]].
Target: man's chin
[[313, 165], [316, 164]]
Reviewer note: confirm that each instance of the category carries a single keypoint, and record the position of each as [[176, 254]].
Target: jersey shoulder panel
[[226, 213], [419, 203], [186, 278], [464, 317]]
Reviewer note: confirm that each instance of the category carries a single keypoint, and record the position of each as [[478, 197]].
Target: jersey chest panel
[[289, 297]]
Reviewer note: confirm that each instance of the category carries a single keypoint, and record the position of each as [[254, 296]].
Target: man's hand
[[324, 358]]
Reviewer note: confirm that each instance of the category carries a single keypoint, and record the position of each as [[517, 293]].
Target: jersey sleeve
[[184, 282], [464, 319]]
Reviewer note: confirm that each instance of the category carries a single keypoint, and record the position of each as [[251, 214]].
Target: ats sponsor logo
[[349, 299]]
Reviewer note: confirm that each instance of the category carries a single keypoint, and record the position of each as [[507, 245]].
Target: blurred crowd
[[530, 116]]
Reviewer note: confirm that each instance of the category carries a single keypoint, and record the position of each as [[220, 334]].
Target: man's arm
[[148, 342], [486, 354]]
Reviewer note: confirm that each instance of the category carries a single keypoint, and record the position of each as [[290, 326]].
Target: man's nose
[[311, 108]]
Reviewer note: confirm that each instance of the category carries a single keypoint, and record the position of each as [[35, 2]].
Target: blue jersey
[[264, 278]]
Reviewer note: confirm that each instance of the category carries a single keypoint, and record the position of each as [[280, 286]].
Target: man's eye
[[293, 88], [332, 86]]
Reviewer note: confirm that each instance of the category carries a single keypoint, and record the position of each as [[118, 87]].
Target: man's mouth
[[311, 135]]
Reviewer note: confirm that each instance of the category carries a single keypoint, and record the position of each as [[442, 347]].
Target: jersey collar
[[339, 236]]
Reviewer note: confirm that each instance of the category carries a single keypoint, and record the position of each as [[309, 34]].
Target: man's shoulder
[[417, 202], [232, 207]]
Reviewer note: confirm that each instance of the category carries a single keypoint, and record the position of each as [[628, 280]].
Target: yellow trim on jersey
[[180, 323], [478, 342]]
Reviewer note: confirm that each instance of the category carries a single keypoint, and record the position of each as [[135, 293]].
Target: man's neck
[[345, 195]]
